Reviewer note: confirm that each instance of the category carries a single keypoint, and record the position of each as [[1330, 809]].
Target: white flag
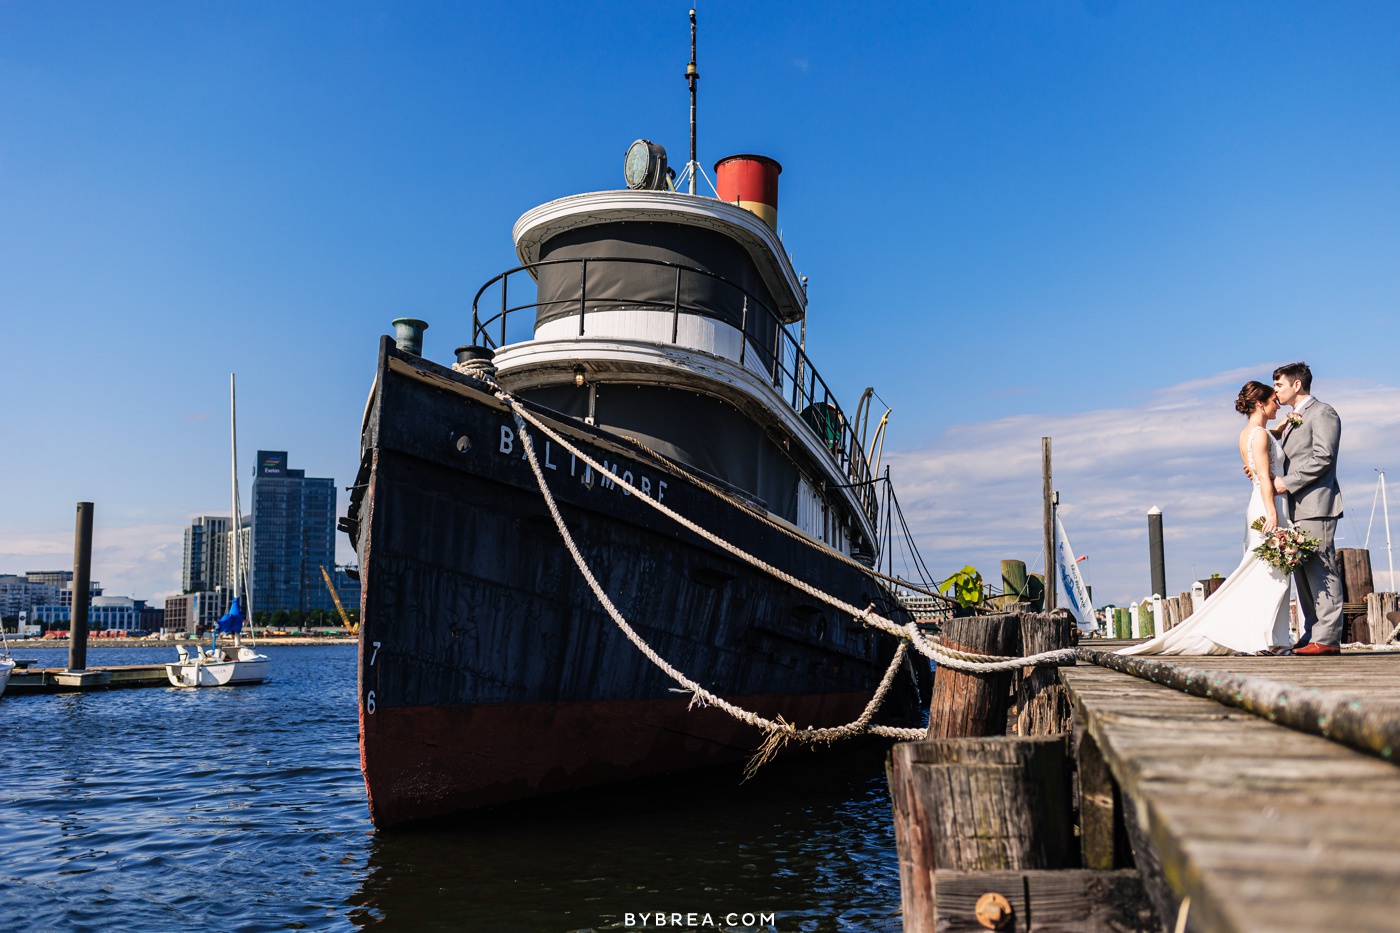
[[1071, 583]]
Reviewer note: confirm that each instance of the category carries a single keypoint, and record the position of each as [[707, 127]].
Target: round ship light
[[645, 166]]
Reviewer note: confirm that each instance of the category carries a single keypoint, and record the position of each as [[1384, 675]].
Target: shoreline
[[21, 644]]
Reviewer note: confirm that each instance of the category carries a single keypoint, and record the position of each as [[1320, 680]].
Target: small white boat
[[7, 663], [220, 667], [237, 663]]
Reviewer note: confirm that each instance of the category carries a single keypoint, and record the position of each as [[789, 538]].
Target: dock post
[[82, 584], [1042, 706], [977, 805], [1156, 551], [1013, 582], [965, 705], [1357, 583], [1048, 517]]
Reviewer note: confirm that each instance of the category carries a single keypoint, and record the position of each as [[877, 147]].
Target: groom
[[1310, 482]]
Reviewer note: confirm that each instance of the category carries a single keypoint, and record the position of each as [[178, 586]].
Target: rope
[[953, 660], [735, 501], [779, 731], [484, 370]]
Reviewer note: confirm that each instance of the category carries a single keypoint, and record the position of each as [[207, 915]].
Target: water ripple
[[243, 809]]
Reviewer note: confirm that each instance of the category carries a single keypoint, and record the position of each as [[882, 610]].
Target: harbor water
[[243, 809]]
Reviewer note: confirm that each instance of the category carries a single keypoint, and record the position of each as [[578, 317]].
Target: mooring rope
[[779, 731], [777, 526], [955, 660]]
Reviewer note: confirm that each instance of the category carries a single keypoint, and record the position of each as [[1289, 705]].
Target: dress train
[[1249, 613]]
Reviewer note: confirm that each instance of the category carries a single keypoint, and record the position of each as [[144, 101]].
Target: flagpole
[[1052, 574]]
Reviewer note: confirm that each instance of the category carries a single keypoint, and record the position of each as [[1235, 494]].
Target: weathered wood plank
[[1262, 827], [1351, 718], [1072, 901]]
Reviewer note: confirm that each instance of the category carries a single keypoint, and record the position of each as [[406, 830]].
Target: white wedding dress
[[1249, 613]]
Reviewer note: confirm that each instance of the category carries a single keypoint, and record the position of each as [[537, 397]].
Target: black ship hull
[[488, 671]]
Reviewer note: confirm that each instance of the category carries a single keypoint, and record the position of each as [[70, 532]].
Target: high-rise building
[[293, 536], [206, 554], [245, 554], [21, 594]]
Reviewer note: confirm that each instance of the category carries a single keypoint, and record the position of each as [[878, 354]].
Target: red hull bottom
[[429, 761]]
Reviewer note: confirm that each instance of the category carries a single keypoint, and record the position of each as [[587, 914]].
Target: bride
[[1249, 613]]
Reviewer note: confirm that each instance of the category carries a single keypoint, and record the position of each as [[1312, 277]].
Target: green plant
[[965, 586]]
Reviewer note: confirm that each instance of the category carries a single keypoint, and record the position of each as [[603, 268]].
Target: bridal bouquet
[[1285, 548]]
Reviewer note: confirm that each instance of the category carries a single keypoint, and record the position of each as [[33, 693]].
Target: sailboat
[[7, 663], [235, 663], [1385, 520]]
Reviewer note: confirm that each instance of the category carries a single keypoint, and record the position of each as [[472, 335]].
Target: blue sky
[[1085, 219]]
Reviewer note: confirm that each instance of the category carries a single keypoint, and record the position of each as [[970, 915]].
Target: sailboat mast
[[237, 520], [1385, 514]]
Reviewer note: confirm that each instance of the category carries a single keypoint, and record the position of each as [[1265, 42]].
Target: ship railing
[[785, 362]]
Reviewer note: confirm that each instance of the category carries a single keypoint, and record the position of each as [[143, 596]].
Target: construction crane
[[344, 619]]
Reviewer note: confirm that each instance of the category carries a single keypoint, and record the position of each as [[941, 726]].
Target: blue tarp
[[232, 622]]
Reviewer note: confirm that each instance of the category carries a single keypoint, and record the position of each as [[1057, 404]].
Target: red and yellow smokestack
[[750, 181]]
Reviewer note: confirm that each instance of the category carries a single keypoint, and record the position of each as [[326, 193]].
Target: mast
[[237, 518], [691, 76], [1385, 519], [1385, 514]]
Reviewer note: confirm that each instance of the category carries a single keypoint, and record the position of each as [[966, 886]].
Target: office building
[[55, 578], [195, 613], [293, 536], [19, 594], [206, 554], [106, 613]]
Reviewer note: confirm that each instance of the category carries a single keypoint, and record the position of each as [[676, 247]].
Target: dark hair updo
[[1252, 395]]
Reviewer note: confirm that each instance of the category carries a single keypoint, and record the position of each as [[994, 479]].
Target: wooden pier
[[1235, 821], [1233, 794], [32, 680]]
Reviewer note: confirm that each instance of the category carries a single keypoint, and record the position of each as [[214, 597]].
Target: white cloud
[[138, 560], [973, 495]]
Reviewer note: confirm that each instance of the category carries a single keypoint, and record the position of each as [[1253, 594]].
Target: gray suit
[[1311, 479]]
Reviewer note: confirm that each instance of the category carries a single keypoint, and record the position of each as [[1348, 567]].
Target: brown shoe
[[1316, 648]]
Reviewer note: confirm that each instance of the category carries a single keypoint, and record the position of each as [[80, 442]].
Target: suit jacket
[[1311, 472]]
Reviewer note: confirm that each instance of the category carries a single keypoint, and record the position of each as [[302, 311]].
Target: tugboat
[[651, 331]]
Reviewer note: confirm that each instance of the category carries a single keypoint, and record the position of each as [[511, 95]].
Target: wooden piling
[[1048, 517], [1173, 613], [966, 705], [1379, 605], [977, 805], [1042, 708], [1357, 584], [82, 588], [1146, 625], [1035, 590], [1013, 581]]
